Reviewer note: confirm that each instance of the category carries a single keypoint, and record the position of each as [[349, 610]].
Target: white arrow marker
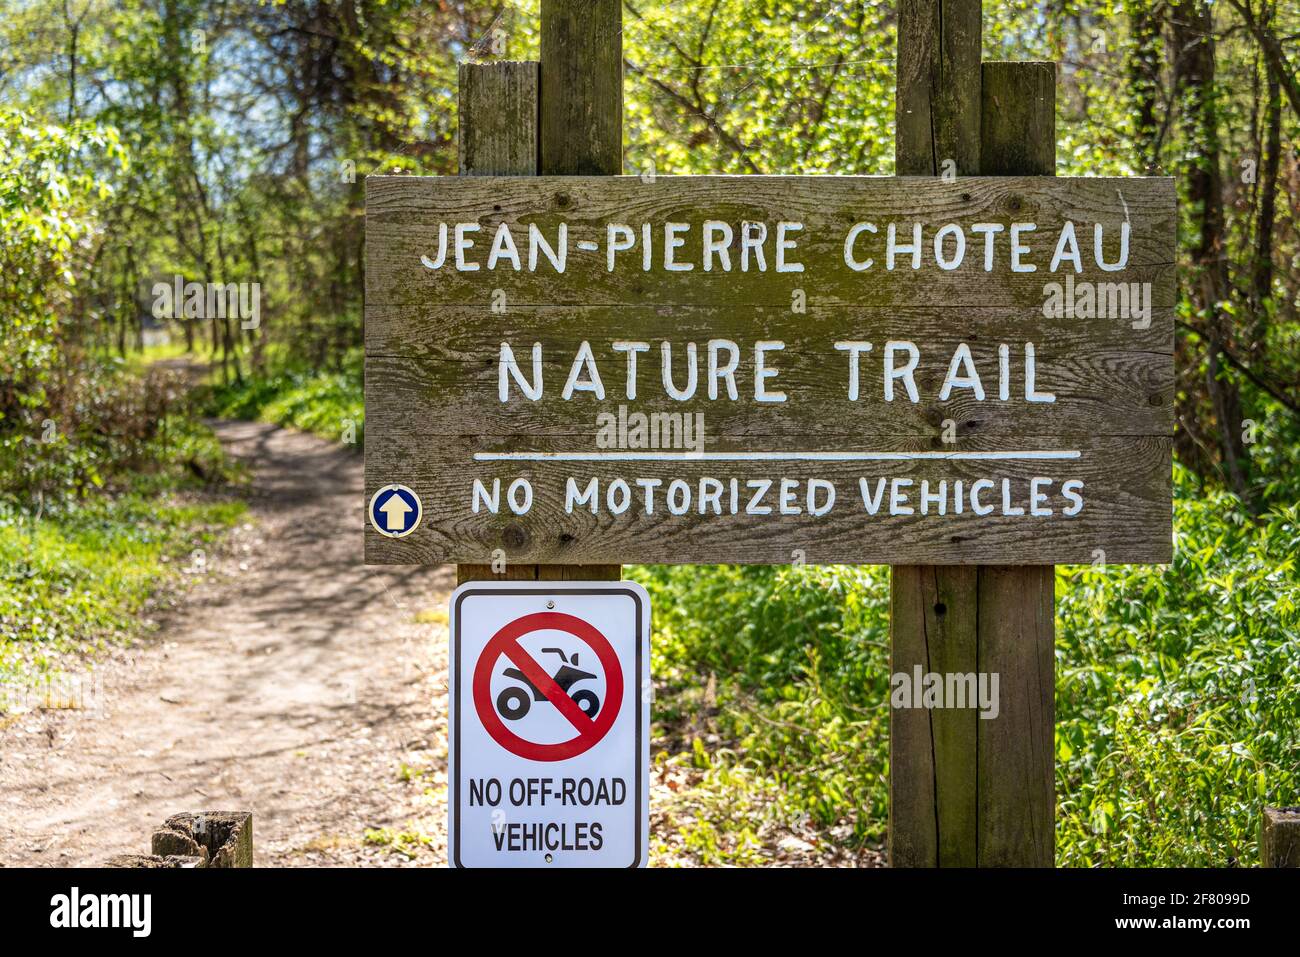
[[395, 510]]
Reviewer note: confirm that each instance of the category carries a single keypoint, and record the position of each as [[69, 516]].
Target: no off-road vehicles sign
[[550, 713]]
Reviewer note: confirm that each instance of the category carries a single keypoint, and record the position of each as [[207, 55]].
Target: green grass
[[1178, 693], [84, 572], [409, 842], [328, 404], [1178, 699], [136, 362], [770, 684]]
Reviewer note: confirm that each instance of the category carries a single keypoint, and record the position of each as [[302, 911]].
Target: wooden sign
[[766, 369]]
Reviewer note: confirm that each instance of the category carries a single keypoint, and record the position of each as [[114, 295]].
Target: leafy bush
[[49, 188], [90, 525], [328, 404], [1178, 695], [82, 572], [784, 671], [103, 427]]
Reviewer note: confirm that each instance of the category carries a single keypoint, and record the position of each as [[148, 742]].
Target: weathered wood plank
[[434, 366], [498, 136], [1018, 118], [1132, 527], [1016, 773], [983, 621], [1017, 627], [520, 572], [406, 217], [937, 107], [582, 87], [458, 333], [933, 807], [502, 133], [1102, 393], [581, 132], [498, 133], [914, 831]]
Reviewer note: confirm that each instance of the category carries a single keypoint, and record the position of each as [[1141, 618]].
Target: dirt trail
[[293, 682]]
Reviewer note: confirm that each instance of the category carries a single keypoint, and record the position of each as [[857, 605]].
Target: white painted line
[[618, 456]]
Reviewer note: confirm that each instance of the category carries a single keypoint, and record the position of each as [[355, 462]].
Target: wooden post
[[937, 104], [1016, 630], [967, 791], [510, 127], [1279, 837], [217, 839], [498, 118], [582, 87]]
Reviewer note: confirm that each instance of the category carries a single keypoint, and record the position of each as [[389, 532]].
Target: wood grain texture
[[582, 87], [1018, 117], [433, 343], [449, 333], [967, 791], [498, 136], [1098, 393], [933, 805], [937, 106], [404, 215], [582, 73], [498, 117], [546, 573], [549, 533], [501, 136], [1279, 837], [1015, 757], [1017, 628]]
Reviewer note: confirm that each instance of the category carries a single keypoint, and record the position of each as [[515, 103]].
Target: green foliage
[[1178, 693], [786, 670], [409, 842], [785, 87], [1178, 696], [49, 191], [251, 126], [96, 511], [83, 573], [104, 428], [328, 404]]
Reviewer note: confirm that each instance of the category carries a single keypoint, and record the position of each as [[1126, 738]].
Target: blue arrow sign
[[395, 511]]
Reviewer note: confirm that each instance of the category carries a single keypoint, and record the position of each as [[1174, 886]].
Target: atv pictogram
[[514, 703]]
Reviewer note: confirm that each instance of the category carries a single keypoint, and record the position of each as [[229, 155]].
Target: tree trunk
[[1144, 62], [1194, 83], [1261, 284]]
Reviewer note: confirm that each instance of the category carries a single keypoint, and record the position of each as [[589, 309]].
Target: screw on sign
[[549, 726]]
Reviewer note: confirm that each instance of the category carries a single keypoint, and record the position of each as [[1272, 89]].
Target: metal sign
[[549, 724]]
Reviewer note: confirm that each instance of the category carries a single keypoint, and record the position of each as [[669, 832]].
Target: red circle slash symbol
[[506, 642]]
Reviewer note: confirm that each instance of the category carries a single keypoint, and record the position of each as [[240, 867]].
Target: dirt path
[[294, 682]]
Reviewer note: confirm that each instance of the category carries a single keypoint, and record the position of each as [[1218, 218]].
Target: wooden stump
[[197, 839], [1279, 838]]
